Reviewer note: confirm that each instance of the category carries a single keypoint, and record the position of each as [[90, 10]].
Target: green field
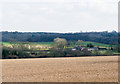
[[5, 43], [51, 43], [94, 43], [97, 44], [37, 43]]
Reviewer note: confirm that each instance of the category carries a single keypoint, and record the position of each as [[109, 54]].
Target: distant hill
[[100, 37]]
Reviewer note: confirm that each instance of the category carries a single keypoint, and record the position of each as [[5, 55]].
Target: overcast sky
[[59, 15]]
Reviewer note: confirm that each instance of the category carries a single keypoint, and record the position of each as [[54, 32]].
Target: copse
[[60, 43], [90, 45]]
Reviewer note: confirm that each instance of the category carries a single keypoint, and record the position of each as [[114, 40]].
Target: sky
[[59, 15]]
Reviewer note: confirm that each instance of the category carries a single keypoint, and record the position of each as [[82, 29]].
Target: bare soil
[[71, 69]]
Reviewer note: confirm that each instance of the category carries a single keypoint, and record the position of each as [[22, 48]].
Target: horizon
[[59, 32]]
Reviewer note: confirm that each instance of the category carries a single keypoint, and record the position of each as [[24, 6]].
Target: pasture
[[52, 43]]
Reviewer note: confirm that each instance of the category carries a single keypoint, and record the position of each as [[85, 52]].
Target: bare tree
[[60, 43]]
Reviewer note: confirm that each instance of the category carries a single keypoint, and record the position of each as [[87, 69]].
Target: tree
[[90, 45], [60, 43]]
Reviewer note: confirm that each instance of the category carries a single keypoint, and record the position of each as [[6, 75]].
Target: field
[[71, 69], [51, 43]]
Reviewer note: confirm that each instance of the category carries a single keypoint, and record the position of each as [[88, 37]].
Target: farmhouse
[[78, 48], [102, 48]]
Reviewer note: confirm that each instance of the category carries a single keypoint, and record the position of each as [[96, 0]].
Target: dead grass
[[74, 69]]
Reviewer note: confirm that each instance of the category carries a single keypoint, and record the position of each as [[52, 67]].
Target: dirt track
[[74, 69]]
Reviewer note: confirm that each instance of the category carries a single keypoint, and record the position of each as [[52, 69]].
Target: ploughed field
[[69, 69]]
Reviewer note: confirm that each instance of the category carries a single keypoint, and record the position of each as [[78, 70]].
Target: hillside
[[100, 37]]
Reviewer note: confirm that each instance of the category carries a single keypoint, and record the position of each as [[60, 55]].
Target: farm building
[[78, 48], [102, 48], [92, 49]]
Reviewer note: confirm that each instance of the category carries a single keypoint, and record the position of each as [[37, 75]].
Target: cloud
[[52, 15], [0, 14], [54, 1]]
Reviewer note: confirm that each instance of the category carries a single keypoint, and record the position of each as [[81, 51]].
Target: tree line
[[100, 37]]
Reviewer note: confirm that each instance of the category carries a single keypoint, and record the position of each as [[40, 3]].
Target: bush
[[102, 53], [11, 52], [57, 53]]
